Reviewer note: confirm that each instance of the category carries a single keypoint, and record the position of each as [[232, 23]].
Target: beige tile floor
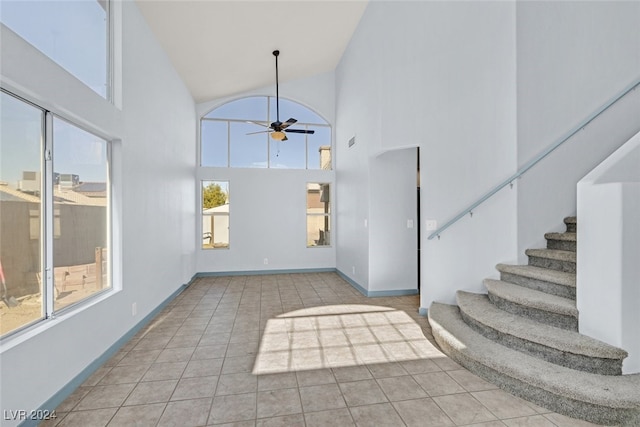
[[290, 350]]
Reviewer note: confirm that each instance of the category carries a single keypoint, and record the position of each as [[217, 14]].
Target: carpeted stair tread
[[531, 298], [478, 307], [567, 237], [554, 254], [539, 273], [600, 398]]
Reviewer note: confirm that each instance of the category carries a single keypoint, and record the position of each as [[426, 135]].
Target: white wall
[[268, 206], [608, 292], [267, 219], [394, 202], [153, 178], [573, 57], [441, 76]]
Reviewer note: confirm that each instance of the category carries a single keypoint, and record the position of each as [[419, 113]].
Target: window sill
[[41, 326]]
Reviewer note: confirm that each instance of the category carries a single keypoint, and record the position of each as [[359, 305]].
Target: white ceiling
[[221, 48]]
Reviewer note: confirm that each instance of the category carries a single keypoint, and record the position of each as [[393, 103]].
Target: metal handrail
[[535, 160]]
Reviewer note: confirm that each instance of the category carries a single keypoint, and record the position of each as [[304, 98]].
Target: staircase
[[523, 336]]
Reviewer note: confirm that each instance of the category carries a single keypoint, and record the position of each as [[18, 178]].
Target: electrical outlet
[[266, 261], [431, 224], [409, 223], [134, 308], [353, 269]]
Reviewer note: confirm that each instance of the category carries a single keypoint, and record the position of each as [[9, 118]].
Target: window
[[21, 264], [318, 214], [53, 214], [80, 251], [74, 34], [235, 135], [215, 214]]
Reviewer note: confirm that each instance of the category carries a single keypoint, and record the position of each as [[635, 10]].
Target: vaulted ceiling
[[221, 48]]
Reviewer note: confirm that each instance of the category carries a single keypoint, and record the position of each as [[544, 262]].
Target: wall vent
[[352, 141]]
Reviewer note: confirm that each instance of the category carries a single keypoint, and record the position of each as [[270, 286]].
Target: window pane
[[215, 147], [253, 108], [318, 230], [288, 154], [215, 214], [319, 148], [293, 109], [247, 151], [20, 214], [80, 246], [252, 151], [318, 214], [74, 34]]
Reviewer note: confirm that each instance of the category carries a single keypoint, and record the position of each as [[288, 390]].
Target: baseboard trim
[[353, 283], [423, 311], [55, 400], [393, 293], [263, 272], [376, 294]]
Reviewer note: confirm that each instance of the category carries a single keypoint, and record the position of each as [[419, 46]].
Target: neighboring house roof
[[19, 195], [221, 208], [92, 189], [65, 197], [6, 197]]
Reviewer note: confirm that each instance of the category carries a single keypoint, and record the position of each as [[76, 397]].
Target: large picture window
[[74, 34], [233, 135], [54, 214]]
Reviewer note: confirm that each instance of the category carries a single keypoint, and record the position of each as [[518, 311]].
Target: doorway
[[394, 222]]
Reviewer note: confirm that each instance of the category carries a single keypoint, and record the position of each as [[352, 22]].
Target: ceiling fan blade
[[288, 123], [310, 132], [260, 131], [258, 123]]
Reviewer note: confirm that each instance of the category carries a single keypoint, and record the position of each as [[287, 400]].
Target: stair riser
[[555, 402], [553, 264], [573, 361], [563, 245], [540, 285], [548, 318]]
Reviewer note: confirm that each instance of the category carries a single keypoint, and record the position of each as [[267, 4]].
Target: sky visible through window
[[72, 33], [227, 143], [75, 151]]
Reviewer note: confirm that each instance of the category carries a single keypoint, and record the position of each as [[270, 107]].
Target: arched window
[[235, 135]]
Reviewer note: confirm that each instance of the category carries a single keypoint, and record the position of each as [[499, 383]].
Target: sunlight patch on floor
[[340, 336]]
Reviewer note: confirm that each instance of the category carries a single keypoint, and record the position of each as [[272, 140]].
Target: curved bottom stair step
[[555, 345], [603, 399]]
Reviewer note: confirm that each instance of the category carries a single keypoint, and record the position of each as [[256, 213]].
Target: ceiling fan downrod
[[276, 53]]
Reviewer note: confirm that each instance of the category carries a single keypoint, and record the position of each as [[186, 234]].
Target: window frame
[[109, 53], [49, 231], [269, 141], [214, 214], [328, 215]]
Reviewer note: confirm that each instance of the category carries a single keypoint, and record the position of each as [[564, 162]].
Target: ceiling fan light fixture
[[277, 135]]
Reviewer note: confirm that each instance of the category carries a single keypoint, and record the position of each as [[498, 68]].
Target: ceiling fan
[[277, 129]]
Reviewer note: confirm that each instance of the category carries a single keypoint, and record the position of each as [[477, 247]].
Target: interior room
[[319, 213]]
